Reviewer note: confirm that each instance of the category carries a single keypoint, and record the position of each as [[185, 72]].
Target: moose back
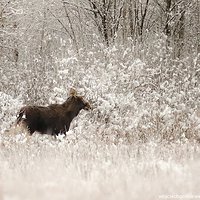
[[53, 119]]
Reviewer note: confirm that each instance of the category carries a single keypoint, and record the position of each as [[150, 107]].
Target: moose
[[53, 119]]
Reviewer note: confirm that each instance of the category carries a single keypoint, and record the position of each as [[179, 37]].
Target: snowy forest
[[138, 64]]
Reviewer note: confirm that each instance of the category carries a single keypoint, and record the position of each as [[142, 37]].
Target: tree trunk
[[104, 23], [131, 23], [181, 32], [167, 28], [198, 27]]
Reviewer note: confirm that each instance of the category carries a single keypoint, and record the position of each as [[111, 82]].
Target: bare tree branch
[[61, 23]]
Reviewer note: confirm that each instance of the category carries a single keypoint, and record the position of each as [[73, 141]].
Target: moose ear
[[72, 92]]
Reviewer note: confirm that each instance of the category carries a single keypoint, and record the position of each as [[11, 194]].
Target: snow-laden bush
[[136, 92], [134, 96], [8, 110]]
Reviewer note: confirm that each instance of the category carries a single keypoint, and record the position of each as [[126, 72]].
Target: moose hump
[[53, 119]]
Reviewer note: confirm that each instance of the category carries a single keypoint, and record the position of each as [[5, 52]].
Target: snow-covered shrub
[[137, 92], [8, 110]]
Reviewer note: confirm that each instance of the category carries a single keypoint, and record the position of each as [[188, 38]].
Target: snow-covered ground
[[41, 167]]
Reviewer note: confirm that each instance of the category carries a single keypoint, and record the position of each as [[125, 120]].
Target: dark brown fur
[[52, 119]]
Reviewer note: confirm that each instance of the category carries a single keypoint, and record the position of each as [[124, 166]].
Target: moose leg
[[30, 130], [23, 123], [66, 128], [61, 132]]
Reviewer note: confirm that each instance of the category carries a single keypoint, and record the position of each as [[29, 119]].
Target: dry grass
[[47, 168]]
